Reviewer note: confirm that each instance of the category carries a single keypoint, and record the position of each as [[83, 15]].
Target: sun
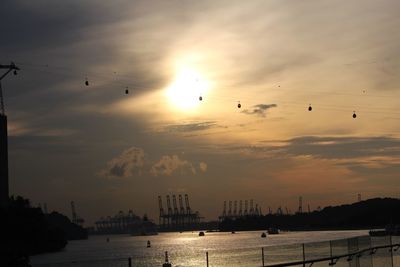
[[187, 90]]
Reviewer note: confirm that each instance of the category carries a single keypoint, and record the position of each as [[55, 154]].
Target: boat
[[233, 232], [273, 231], [263, 235], [201, 233]]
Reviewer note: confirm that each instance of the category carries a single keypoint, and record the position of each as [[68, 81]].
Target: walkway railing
[[333, 260]]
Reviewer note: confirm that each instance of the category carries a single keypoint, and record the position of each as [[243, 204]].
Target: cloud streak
[[191, 127]]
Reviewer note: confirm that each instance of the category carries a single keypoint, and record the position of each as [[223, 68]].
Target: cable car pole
[[4, 194]]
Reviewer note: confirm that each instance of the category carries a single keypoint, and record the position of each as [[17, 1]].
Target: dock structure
[[233, 211], [179, 216]]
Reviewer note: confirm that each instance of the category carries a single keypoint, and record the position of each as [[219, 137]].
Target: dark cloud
[[44, 24], [259, 110]]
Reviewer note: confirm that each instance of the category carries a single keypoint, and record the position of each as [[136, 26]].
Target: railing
[[353, 252], [358, 252], [333, 260]]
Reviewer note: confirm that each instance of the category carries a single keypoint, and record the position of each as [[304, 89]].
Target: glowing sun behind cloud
[[187, 90]]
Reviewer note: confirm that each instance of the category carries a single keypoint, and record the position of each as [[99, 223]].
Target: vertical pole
[[2, 109], [304, 256], [207, 257], [129, 262], [391, 250], [4, 193], [262, 256], [330, 248]]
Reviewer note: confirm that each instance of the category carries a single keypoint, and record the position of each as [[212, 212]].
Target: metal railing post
[[304, 256], [391, 250], [262, 256], [207, 257], [330, 250], [129, 262]]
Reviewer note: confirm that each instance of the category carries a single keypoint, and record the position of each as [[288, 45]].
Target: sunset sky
[[111, 151]]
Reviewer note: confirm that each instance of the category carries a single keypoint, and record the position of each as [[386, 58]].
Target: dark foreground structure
[[3, 161]]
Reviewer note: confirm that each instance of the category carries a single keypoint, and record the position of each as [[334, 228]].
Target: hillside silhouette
[[26, 231]]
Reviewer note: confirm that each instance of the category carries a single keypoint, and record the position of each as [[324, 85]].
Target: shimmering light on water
[[188, 249]]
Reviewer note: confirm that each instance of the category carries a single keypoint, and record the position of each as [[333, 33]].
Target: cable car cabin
[[354, 115], [200, 98], [87, 83], [126, 91], [309, 108], [239, 105]]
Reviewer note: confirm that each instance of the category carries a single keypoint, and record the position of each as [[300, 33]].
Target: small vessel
[[201, 233], [148, 244], [263, 235], [233, 232]]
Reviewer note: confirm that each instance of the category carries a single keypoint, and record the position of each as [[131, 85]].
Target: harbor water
[[189, 249]]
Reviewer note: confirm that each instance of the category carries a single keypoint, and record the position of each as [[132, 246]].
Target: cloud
[[129, 163], [367, 152], [190, 127], [132, 162], [344, 147], [259, 110], [203, 166], [168, 165]]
